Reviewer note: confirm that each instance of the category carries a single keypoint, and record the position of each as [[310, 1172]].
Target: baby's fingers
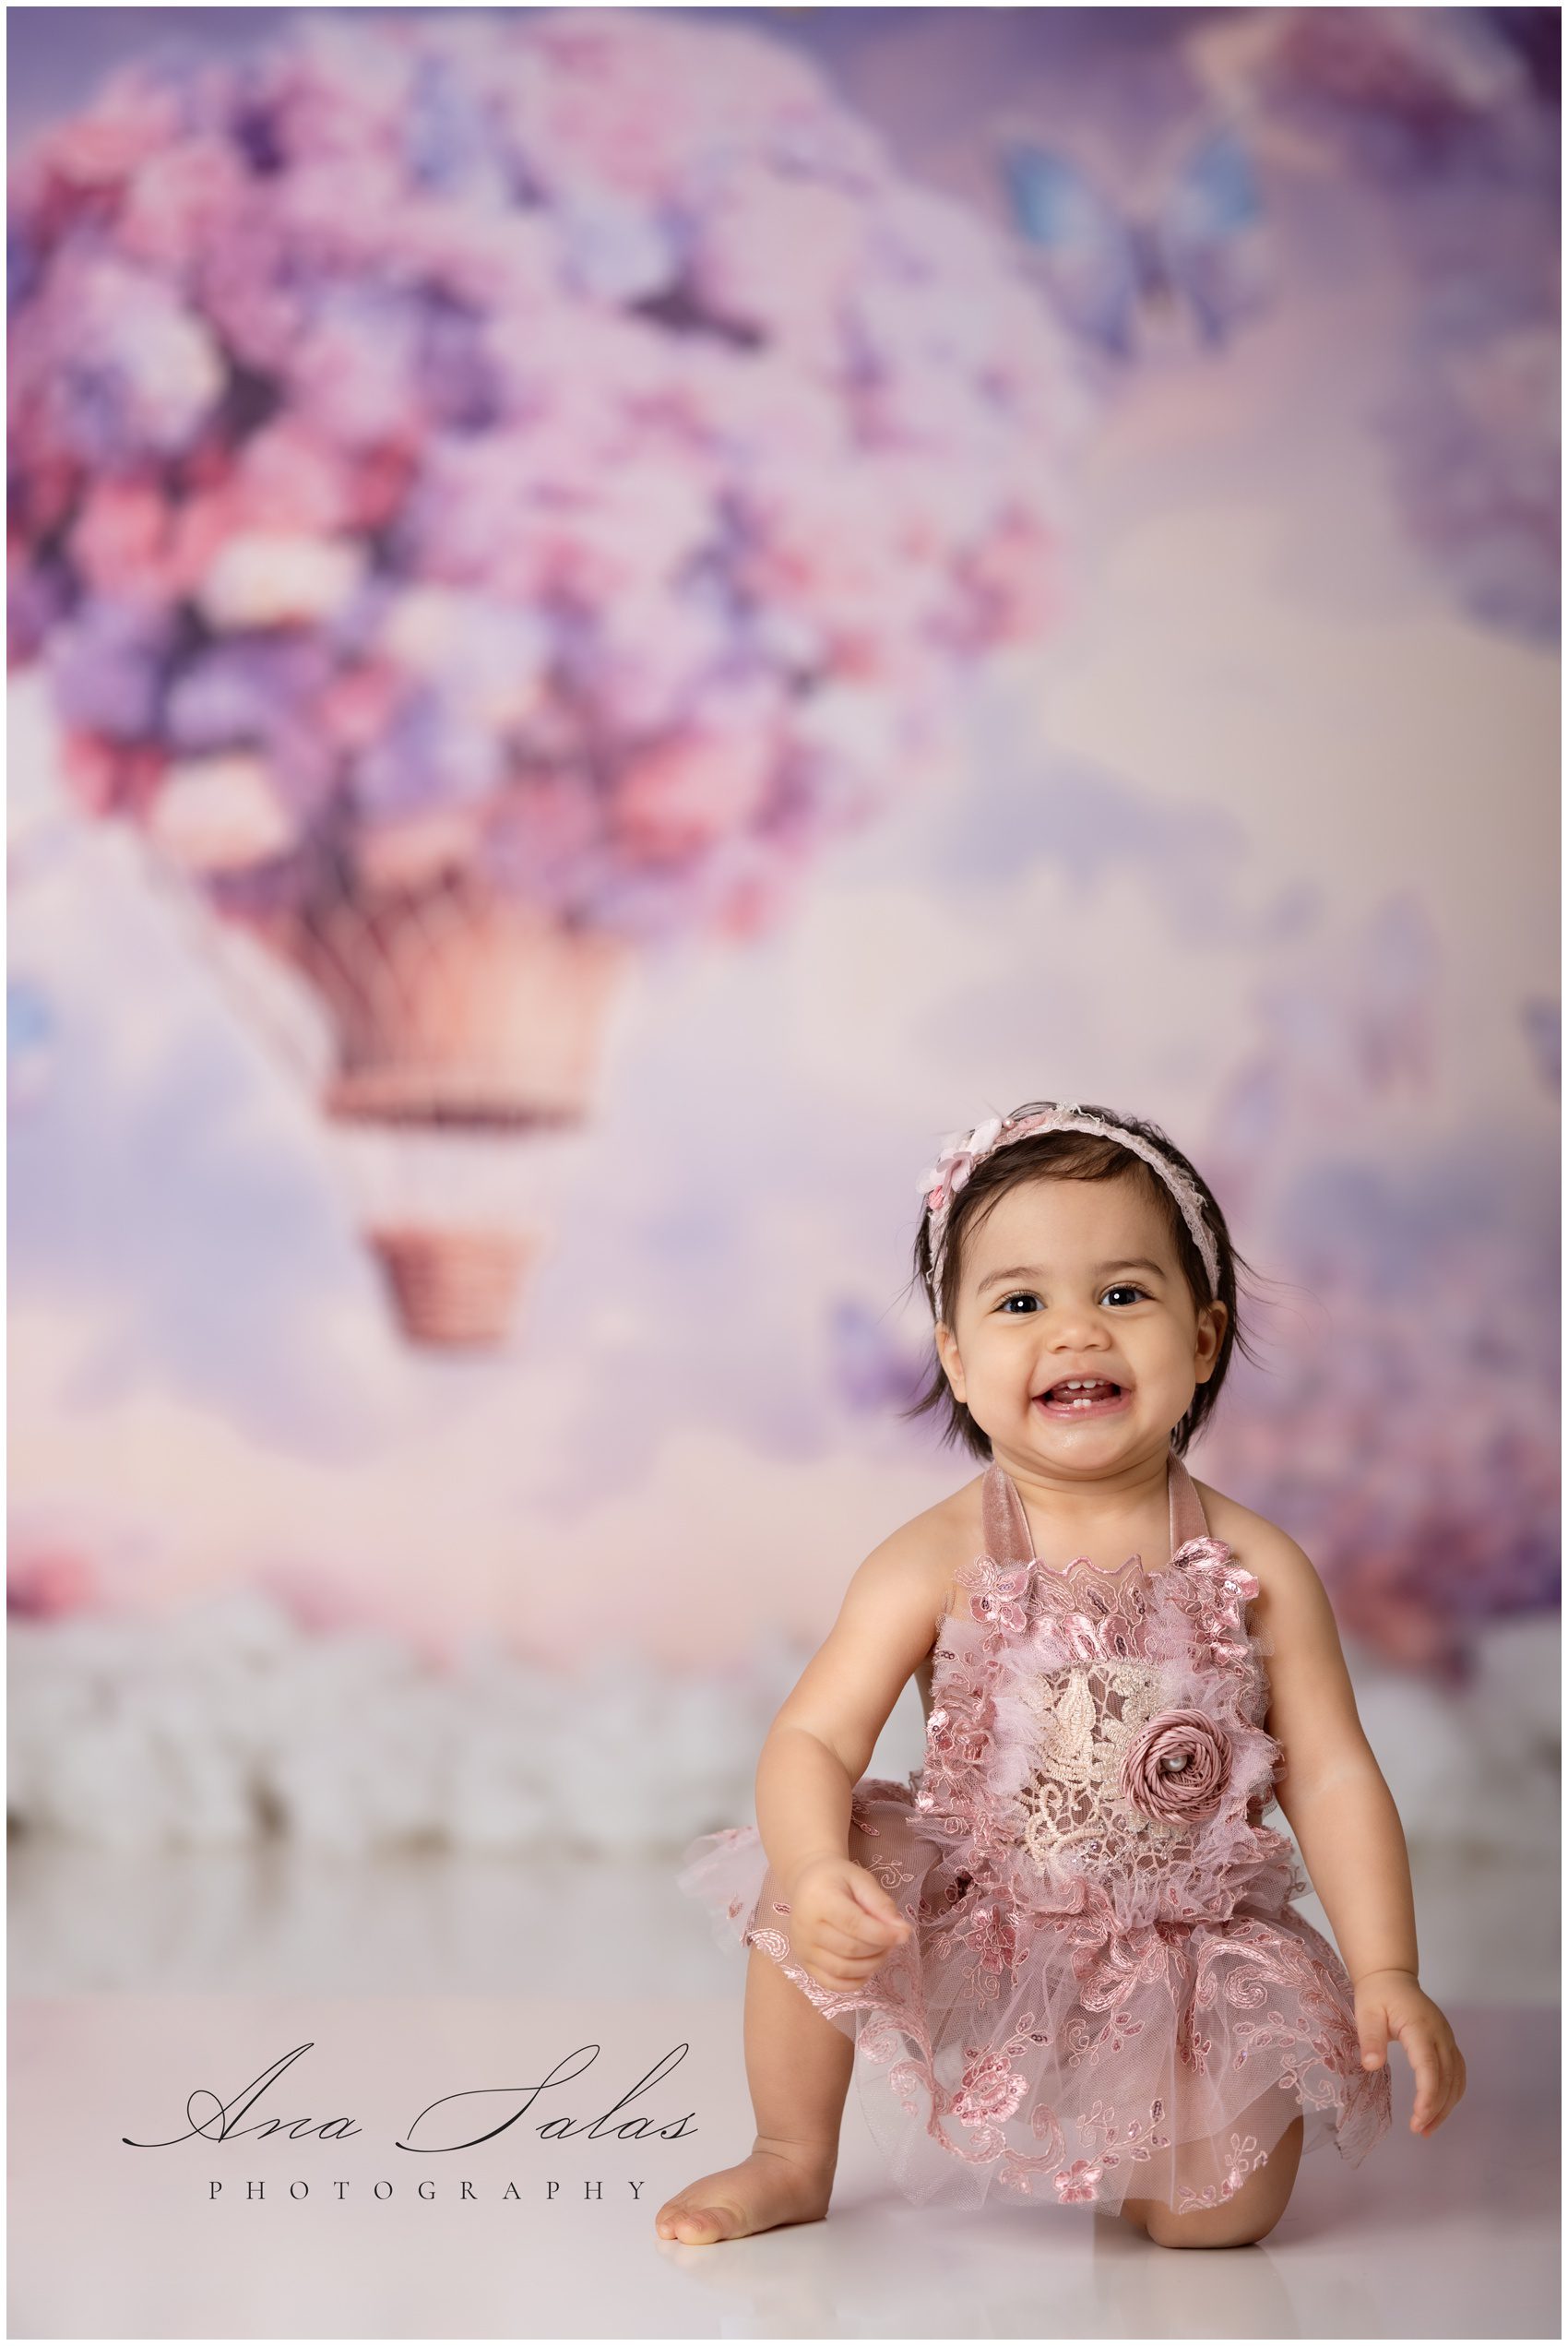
[[1453, 2087], [1426, 2055], [865, 1886], [844, 1970], [867, 1925], [1450, 2063], [837, 1940]]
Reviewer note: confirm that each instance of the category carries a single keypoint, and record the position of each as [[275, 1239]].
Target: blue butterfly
[[1199, 244], [871, 1370], [31, 1034], [1542, 1021]]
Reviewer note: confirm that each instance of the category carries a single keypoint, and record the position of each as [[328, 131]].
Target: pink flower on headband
[[961, 1153]]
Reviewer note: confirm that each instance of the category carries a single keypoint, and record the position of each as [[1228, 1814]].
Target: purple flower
[[243, 689], [430, 757], [106, 666]]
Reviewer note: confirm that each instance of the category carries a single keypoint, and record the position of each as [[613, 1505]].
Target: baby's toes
[[695, 2225]]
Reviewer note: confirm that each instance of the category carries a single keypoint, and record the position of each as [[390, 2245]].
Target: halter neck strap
[[1007, 1535]]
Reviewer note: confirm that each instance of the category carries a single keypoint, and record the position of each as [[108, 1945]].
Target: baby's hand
[[842, 1923], [1393, 2003]]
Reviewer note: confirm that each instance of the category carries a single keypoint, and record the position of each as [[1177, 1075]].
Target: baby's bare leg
[[797, 2067], [1249, 2215]]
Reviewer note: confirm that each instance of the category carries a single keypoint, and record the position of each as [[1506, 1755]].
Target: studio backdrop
[[617, 622]]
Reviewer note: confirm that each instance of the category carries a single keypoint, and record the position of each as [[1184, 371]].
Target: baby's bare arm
[[1342, 1813], [825, 1733], [1332, 1790]]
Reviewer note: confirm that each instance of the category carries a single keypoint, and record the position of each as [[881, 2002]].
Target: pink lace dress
[[1109, 1992]]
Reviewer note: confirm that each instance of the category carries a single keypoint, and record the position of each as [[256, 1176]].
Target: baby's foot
[[772, 2186]]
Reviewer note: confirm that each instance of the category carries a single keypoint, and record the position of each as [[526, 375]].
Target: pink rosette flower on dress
[[1178, 1769]]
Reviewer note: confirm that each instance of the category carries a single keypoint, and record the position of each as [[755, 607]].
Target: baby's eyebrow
[[1032, 1271]]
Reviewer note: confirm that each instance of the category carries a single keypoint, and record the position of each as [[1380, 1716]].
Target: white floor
[[283, 1919], [139, 1983]]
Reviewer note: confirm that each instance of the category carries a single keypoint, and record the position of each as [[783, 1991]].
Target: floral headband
[[961, 1153]]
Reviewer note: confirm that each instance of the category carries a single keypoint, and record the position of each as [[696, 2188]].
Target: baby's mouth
[[1082, 1397]]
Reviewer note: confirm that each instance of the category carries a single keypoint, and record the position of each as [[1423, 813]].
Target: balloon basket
[[464, 1027], [456, 1008], [452, 1288]]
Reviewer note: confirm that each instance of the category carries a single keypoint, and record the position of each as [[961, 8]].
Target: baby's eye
[[1122, 1287]]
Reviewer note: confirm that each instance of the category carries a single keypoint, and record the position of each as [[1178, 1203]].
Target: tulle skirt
[[1058, 2056]]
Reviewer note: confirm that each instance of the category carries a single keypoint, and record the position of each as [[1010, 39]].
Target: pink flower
[[989, 2090], [948, 1755], [288, 477], [676, 799], [960, 1153], [358, 707], [352, 368], [53, 1582], [1013, 577], [998, 1593], [126, 126], [992, 1939], [1178, 1767], [121, 540], [782, 255], [177, 201], [1079, 2181]]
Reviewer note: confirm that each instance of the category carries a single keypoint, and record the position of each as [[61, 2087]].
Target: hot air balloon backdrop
[[494, 498], [618, 619]]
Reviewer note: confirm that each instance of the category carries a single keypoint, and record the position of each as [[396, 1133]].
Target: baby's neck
[[1127, 1510]]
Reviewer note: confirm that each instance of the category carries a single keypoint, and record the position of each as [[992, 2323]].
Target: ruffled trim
[[1048, 2057], [724, 1871]]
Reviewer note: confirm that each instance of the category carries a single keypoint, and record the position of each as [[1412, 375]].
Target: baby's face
[[1072, 1279]]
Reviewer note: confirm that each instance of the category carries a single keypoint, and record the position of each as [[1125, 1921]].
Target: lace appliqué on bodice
[[1096, 1745], [1089, 1720]]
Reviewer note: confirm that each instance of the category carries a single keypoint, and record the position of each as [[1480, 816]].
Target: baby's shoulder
[[955, 1536], [930, 1549], [1265, 1551]]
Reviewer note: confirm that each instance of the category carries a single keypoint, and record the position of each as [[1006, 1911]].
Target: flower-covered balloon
[[560, 451]]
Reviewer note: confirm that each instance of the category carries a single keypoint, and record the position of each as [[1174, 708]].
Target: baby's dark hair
[[1079, 1156]]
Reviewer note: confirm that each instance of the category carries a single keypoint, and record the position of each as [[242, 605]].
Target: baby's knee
[[1249, 2215], [1208, 2231], [1237, 2226]]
